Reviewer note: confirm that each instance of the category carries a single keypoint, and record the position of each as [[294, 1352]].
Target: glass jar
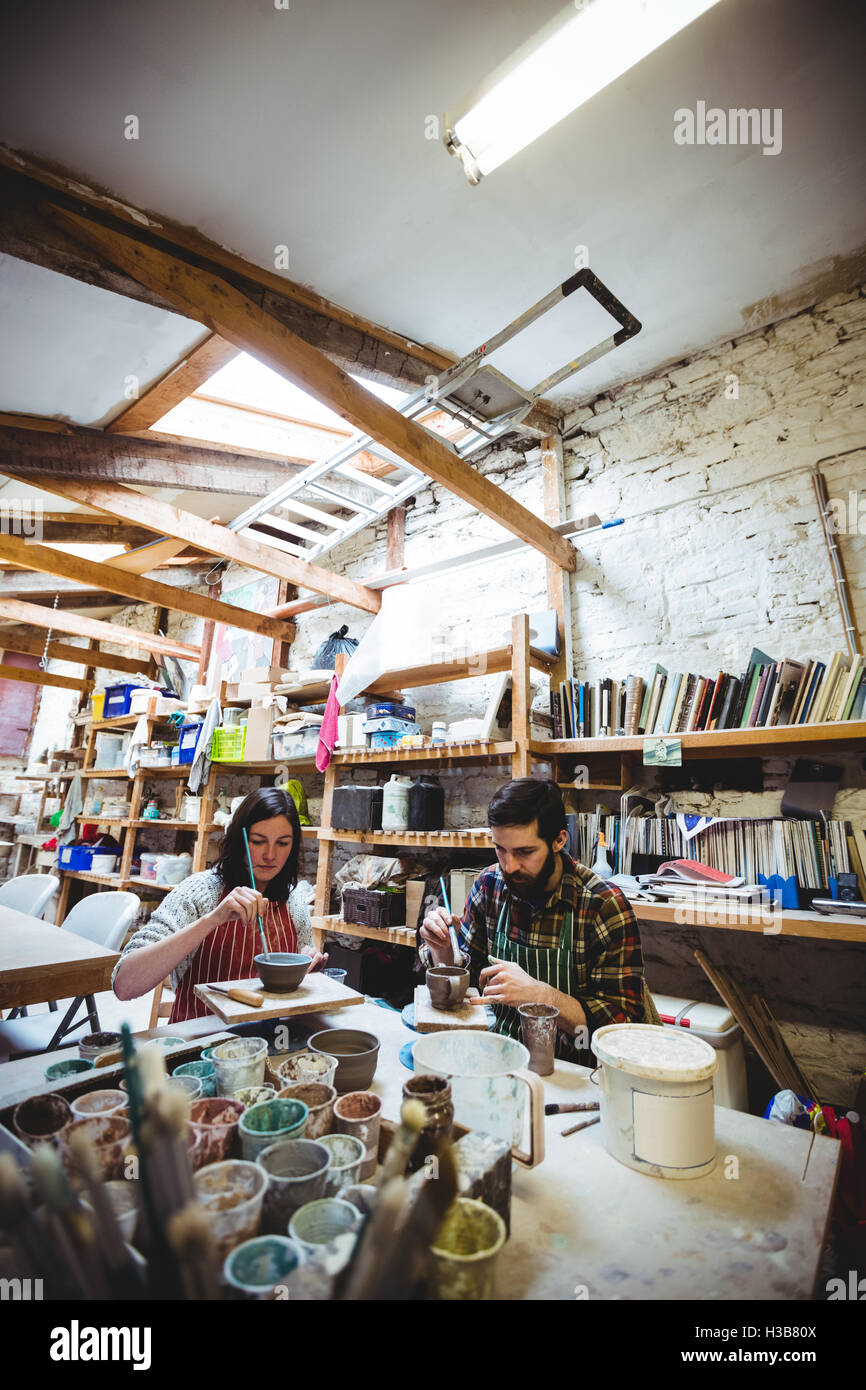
[[434, 1092]]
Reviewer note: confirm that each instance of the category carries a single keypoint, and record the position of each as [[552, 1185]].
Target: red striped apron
[[227, 954]]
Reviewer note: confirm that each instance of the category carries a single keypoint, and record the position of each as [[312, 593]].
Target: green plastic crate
[[228, 745]]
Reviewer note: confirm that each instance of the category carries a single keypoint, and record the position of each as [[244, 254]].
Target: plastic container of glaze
[[657, 1099]]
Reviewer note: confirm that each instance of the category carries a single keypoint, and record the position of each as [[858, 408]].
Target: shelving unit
[[518, 658], [200, 830]]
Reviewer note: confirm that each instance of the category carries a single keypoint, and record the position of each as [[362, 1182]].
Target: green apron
[[552, 965]]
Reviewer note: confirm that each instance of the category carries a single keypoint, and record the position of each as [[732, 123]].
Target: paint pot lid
[[652, 1051]]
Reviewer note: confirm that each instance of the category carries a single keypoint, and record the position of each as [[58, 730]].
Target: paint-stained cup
[[205, 1072], [538, 1030], [102, 1102], [190, 1086], [347, 1155], [297, 1170], [360, 1113], [257, 1268], [254, 1095], [214, 1122], [111, 1137], [447, 985], [319, 1100], [238, 1063], [464, 1252], [269, 1122], [40, 1119], [231, 1194], [307, 1066], [328, 1222], [64, 1071]]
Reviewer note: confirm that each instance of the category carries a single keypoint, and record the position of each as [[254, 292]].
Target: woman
[[207, 929]]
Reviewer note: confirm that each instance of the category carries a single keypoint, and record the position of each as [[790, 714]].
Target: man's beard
[[532, 887]]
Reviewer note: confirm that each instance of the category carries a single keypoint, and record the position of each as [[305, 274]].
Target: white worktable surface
[[582, 1221]]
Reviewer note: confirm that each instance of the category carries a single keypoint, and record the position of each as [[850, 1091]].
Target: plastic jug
[[395, 803], [426, 803]]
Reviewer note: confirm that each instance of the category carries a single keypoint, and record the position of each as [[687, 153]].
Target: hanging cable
[[43, 660]]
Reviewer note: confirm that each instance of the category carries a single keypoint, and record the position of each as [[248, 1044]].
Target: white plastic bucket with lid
[[657, 1099], [395, 803]]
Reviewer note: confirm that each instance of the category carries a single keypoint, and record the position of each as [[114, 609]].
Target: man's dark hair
[[232, 866], [526, 800]]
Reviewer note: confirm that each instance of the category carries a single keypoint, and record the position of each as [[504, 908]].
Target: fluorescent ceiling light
[[581, 51]]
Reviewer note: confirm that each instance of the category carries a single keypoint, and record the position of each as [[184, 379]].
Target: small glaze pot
[[347, 1155], [204, 1070], [538, 1030], [268, 1123], [360, 1113], [307, 1066], [238, 1063], [464, 1252], [40, 1119], [319, 1100], [64, 1071], [325, 1222], [214, 1122], [111, 1137], [231, 1194], [103, 1102], [257, 1267], [434, 1092], [297, 1170]]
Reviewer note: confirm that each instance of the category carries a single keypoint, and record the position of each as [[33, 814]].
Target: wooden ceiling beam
[[180, 381], [12, 640], [28, 677], [35, 616], [231, 314], [31, 444], [218, 540], [141, 590], [91, 598]]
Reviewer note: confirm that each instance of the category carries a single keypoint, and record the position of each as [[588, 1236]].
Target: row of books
[[769, 694], [810, 851]]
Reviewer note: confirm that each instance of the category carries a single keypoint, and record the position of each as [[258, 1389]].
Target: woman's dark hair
[[526, 800], [232, 866]]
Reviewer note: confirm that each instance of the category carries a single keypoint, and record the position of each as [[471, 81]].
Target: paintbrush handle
[[554, 1109], [584, 1124]]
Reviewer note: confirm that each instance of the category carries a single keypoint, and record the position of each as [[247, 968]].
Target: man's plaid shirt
[[607, 957]]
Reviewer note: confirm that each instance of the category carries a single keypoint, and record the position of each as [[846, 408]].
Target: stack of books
[[769, 694]]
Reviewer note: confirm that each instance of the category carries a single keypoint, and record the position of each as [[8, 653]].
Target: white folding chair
[[30, 893], [103, 918]]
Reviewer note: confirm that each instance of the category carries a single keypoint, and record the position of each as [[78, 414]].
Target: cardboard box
[[414, 899], [263, 675], [458, 889], [260, 723]]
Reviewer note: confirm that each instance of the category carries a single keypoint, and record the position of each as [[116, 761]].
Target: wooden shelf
[[267, 765], [127, 721], [149, 883], [102, 820], [478, 752], [740, 918], [88, 877], [394, 936], [172, 825], [486, 663], [743, 742], [108, 774], [419, 839]]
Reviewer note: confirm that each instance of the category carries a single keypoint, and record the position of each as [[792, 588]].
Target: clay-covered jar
[[435, 1094]]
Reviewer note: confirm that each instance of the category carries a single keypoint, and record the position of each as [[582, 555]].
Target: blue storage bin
[[74, 857], [118, 699], [189, 736]]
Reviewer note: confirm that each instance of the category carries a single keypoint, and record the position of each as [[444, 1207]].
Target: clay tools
[[554, 1109], [584, 1124], [253, 885], [456, 953], [241, 996]]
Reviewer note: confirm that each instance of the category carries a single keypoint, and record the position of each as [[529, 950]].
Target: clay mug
[[447, 985]]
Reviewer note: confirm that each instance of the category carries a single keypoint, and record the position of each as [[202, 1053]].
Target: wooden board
[[39, 962], [430, 1020], [315, 992]]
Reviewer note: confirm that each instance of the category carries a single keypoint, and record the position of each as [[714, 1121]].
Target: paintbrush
[[190, 1236], [554, 1109], [402, 1273], [253, 886], [125, 1280], [455, 945], [584, 1124], [413, 1117], [18, 1221], [68, 1223]]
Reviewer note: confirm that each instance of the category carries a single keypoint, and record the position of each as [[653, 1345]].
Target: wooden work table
[[39, 961], [585, 1226]]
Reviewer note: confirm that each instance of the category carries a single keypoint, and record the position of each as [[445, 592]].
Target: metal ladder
[[468, 406]]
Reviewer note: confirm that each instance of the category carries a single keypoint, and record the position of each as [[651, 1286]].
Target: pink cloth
[[328, 731]]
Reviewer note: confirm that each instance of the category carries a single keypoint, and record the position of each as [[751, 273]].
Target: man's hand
[[504, 983], [434, 933]]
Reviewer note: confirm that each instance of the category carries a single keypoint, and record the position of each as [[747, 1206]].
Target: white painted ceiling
[[305, 126]]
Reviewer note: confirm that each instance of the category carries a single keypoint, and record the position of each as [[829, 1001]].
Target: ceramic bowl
[[281, 971], [357, 1054]]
